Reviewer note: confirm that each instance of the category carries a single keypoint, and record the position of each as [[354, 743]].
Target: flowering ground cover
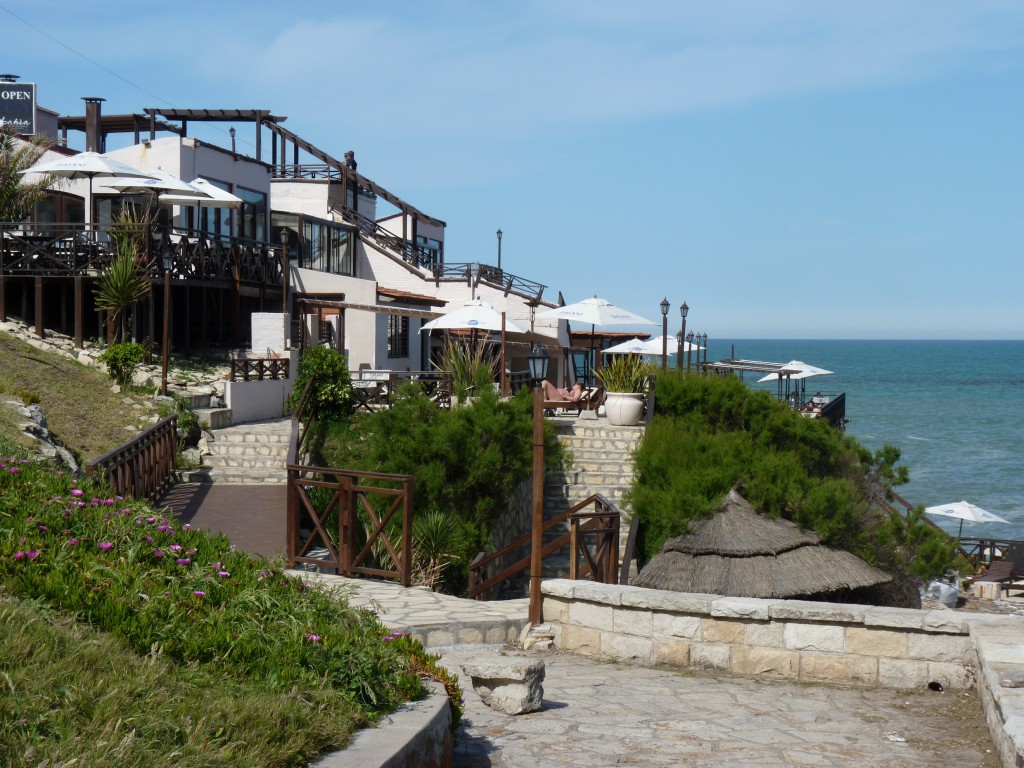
[[125, 634]]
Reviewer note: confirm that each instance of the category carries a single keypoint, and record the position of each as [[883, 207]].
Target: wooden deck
[[253, 517]]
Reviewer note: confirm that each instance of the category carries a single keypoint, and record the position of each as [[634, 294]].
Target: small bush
[[189, 429], [122, 360], [331, 397]]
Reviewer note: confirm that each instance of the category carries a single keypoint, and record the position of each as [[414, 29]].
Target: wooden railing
[[259, 368], [364, 541], [143, 467], [595, 531]]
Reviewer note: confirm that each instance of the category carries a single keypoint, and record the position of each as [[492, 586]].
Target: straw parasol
[[741, 553]]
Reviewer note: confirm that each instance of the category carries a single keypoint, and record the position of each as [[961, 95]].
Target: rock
[[541, 637], [115, 388], [1012, 680], [141, 379], [509, 686]]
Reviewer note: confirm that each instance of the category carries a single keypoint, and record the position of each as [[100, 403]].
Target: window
[[428, 252], [252, 214], [314, 243], [398, 336]]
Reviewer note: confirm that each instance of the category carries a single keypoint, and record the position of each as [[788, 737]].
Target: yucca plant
[[625, 373], [469, 366], [125, 282]]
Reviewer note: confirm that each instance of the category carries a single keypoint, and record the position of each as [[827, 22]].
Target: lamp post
[[538, 361], [231, 133], [499, 250], [705, 345], [683, 312], [689, 349], [664, 333], [168, 266]]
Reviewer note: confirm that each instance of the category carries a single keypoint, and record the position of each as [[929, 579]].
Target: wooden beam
[[40, 331]]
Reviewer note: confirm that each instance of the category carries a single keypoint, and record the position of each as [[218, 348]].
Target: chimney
[[93, 136], [8, 78]]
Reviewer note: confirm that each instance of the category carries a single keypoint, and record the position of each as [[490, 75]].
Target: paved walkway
[[253, 517], [599, 714]]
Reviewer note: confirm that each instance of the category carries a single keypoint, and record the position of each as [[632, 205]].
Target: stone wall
[[784, 639]]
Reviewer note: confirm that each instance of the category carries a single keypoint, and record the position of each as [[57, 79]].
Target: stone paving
[[600, 714]]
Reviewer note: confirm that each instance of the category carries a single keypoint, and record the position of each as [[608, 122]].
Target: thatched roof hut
[[741, 553]]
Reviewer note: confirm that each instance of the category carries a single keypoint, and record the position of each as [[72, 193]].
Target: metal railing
[[594, 532], [496, 278], [143, 467]]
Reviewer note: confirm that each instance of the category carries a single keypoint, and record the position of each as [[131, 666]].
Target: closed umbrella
[[964, 510], [87, 165]]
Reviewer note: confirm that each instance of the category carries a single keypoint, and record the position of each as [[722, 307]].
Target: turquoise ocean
[[955, 409]]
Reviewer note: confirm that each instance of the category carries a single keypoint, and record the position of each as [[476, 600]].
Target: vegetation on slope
[[712, 432]]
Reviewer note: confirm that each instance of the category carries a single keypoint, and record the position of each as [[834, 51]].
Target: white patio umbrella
[[796, 370], [964, 510], [474, 315], [639, 346], [595, 311], [87, 165], [156, 181]]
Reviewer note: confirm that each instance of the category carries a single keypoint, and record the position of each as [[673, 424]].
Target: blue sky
[[790, 169]]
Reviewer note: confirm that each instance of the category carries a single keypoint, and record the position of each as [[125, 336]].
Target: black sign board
[[18, 106]]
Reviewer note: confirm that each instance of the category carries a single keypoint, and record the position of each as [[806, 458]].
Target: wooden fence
[[143, 467]]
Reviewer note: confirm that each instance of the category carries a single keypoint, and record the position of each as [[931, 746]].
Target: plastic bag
[[947, 594]]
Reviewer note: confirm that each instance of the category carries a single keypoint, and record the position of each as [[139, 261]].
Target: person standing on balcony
[[350, 160]]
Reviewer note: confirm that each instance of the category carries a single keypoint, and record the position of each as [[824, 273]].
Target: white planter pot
[[624, 409]]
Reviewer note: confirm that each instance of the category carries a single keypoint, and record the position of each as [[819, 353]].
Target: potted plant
[[625, 383]]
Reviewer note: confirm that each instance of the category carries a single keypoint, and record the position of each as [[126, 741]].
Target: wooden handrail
[[143, 467], [479, 586]]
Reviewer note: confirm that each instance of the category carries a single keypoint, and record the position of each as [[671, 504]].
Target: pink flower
[[106, 546], [186, 527], [19, 555], [183, 561], [223, 574], [174, 547], [72, 541], [76, 492], [32, 554], [157, 553], [313, 638], [14, 470], [199, 593]]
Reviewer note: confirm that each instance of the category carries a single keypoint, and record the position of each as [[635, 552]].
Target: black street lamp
[[664, 333], [705, 345], [538, 361], [231, 133], [499, 250], [683, 312], [689, 350]]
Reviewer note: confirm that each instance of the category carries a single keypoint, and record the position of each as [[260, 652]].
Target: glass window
[[289, 224], [252, 214], [428, 251], [398, 336]]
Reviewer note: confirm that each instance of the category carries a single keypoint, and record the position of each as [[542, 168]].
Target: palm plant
[[469, 366], [18, 197], [124, 282]]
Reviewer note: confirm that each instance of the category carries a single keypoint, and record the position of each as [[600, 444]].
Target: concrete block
[[902, 674], [765, 634], [815, 637], [741, 608], [555, 609], [952, 648], [626, 647], [954, 677], [806, 610], [709, 656], [876, 642], [581, 640], [662, 600], [674, 625], [674, 653], [721, 631], [591, 615], [630, 621], [766, 662], [510, 686], [834, 668], [895, 618]]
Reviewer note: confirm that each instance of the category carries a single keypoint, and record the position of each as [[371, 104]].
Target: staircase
[[253, 453]]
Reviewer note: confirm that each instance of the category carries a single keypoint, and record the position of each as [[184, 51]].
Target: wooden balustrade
[[143, 467], [259, 368]]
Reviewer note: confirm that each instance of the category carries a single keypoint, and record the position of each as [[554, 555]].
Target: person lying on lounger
[[560, 394]]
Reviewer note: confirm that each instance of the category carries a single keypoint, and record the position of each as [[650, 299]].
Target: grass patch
[[10, 425], [81, 411], [194, 654]]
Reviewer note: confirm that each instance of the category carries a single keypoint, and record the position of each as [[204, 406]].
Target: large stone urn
[[624, 409]]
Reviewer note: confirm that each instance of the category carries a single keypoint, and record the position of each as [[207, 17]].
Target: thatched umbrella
[[741, 553]]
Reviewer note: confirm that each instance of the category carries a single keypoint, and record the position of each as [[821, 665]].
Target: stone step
[[253, 450], [216, 418], [251, 462], [249, 437], [243, 476]]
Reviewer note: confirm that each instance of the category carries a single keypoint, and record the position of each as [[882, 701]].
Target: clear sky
[[790, 169]]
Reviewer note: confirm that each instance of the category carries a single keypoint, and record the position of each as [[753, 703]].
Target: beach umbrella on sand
[[964, 510], [595, 311], [87, 165]]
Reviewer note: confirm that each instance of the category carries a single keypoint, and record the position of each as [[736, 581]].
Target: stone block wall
[[783, 639]]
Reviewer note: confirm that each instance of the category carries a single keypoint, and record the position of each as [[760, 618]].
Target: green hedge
[[710, 432]]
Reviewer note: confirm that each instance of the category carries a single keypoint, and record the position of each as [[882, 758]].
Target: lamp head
[[684, 310], [664, 306]]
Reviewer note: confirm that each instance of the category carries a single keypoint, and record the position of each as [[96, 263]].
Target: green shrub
[[467, 461], [189, 429], [122, 360], [711, 432], [331, 396]]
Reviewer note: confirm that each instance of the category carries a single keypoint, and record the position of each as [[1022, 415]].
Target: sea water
[[955, 409]]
